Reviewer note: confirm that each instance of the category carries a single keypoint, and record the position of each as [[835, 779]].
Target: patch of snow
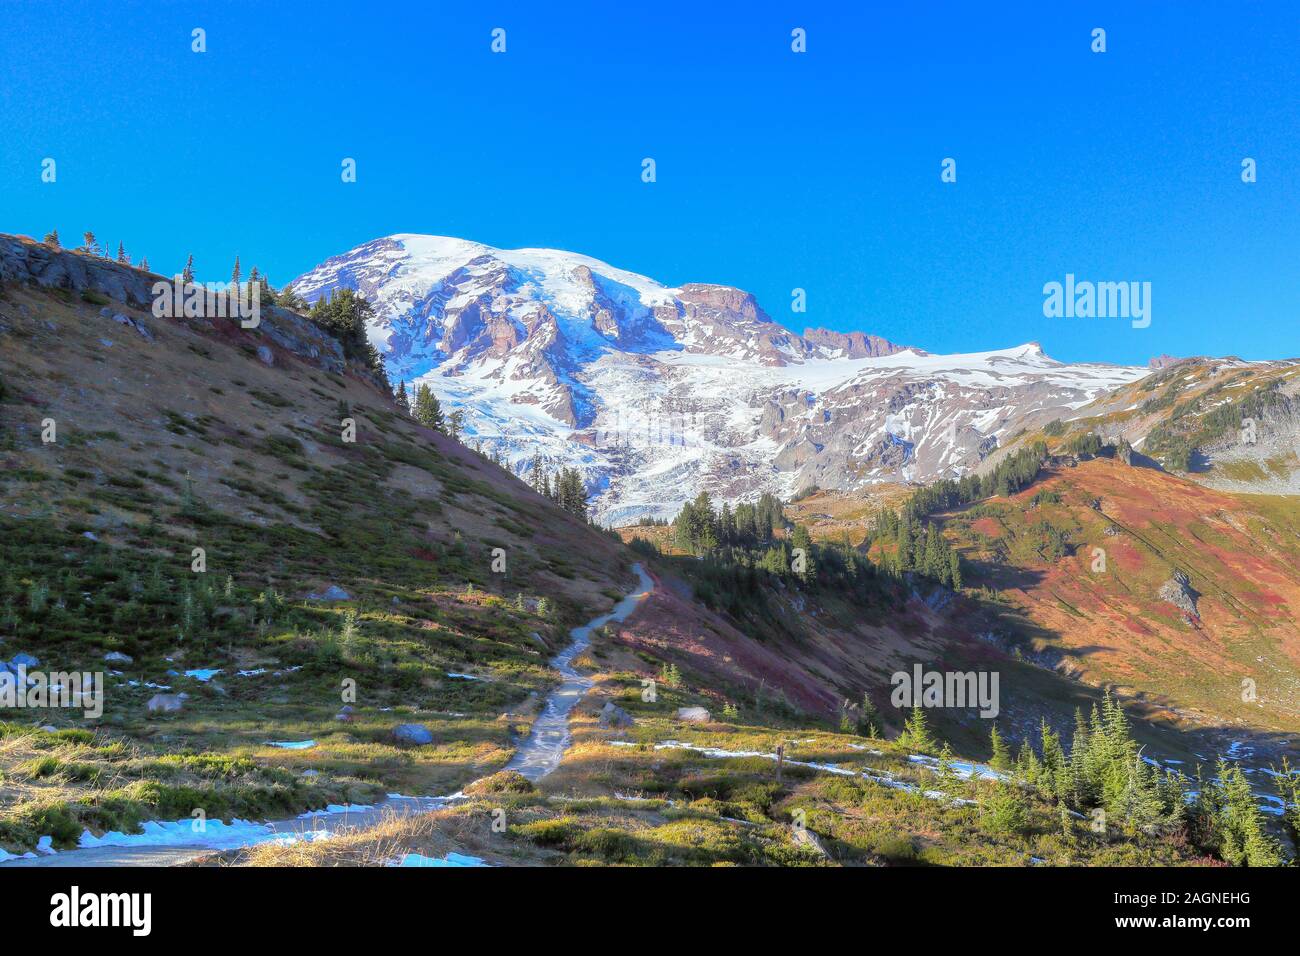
[[451, 859]]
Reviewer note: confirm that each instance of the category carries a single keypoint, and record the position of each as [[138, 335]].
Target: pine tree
[[89, 244], [916, 734], [289, 299], [52, 238], [401, 398], [1001, 759], [122, 257], [235, 275], [1243, 839], [868, 718], [144, 264], [187, 277], [456, 424], [802, 540], [428, 411], [946, 776]]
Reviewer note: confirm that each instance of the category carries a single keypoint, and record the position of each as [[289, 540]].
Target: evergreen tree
[[52, 238], [187, 277], [144, 264], [235, 274], [403, 400], [1001, 759], [456, 424], [428, 411], [868, 718], [122, 257], [800, 539], [89, 244], [345, 315], [289, 299], [916, 733], [1238, 825]]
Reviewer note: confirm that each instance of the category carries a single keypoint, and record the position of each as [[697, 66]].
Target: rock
[[24, 660], [345, 713], [331, 593], [612, 715], [807, 839], [117, 657], [265, 355], [1178, 592], [693, 715], [413, 734], [167, 703], [49, 728]]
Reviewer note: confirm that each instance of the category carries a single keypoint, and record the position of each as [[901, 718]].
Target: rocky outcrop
[[851, 344], [1178, 592], [25, 261]]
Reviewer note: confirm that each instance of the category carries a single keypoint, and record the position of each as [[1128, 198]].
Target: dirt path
[[542, 751], [536, 757]]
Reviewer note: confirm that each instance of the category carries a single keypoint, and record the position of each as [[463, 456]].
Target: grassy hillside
[[188, 438]]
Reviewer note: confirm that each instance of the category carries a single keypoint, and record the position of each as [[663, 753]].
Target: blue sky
[[775, 170]]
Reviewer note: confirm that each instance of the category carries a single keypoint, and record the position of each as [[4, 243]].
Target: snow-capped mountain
[[658, 392]]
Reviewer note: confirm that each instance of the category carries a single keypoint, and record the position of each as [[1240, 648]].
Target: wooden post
[[780, 759]]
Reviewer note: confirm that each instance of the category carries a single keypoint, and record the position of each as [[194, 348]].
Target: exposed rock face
[[852, 344], [693, 715], [1178, 592], [25, 261], [657, 393]]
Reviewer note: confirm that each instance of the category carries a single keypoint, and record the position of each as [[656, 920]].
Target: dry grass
[[370, 847]]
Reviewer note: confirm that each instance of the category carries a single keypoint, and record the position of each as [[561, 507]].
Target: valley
[[399, 640]]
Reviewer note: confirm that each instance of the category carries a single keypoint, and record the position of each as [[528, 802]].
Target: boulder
[[117, 657], [1178, 591], [331, 593], [693, 715], [24, 660], [413, 734], [166, 703], [612, 715]]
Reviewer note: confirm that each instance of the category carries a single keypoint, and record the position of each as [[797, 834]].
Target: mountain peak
[[656, 392]]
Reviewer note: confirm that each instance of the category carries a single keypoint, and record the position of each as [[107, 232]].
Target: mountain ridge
[[657, 392]]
